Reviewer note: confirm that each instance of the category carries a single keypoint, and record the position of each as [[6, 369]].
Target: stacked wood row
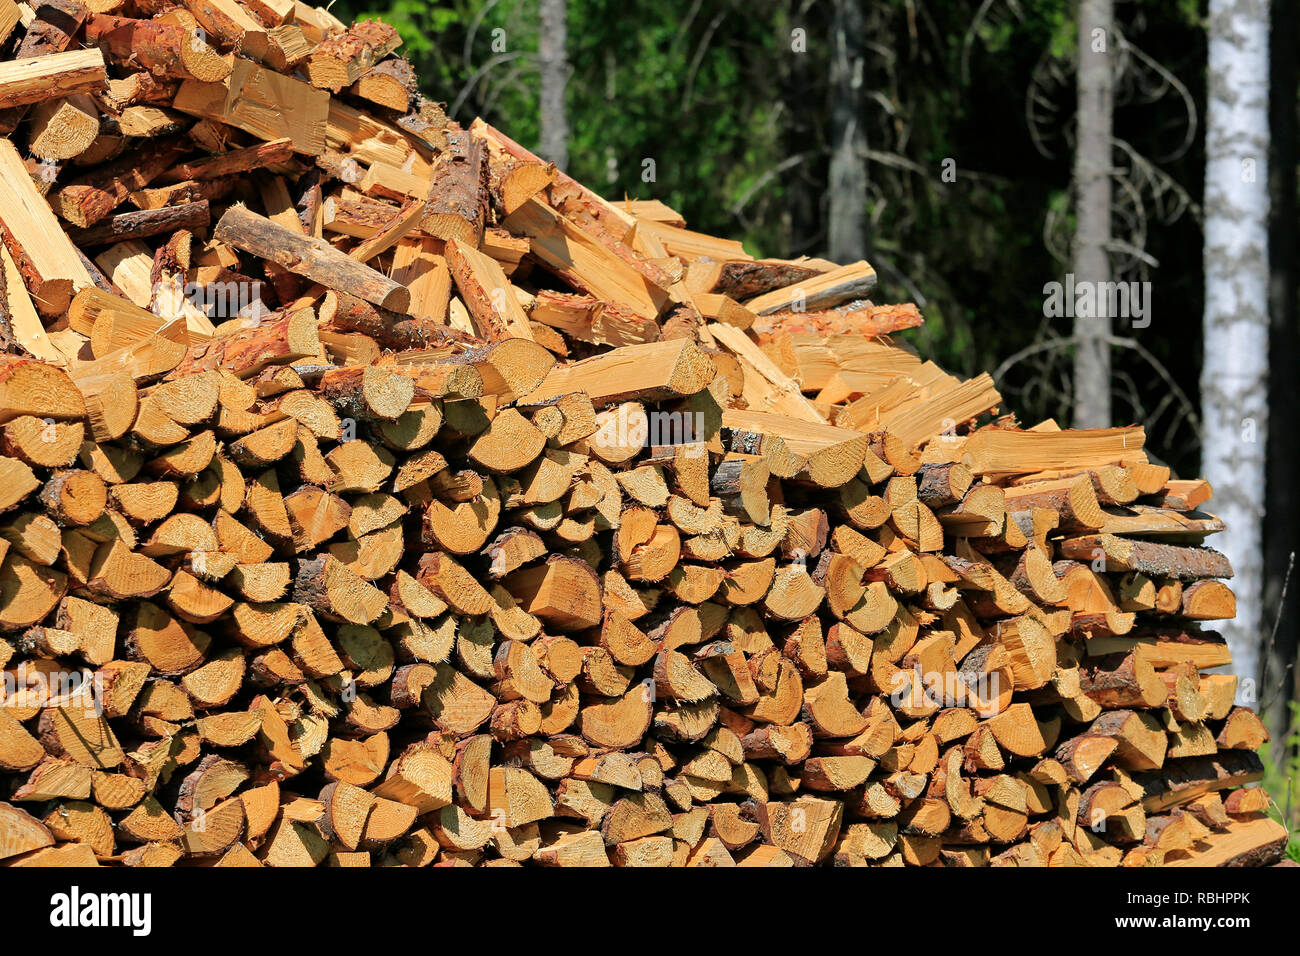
[[376, 494]]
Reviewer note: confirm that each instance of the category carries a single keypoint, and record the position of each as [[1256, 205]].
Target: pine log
[[27, 81], [1123, 554], [309, 257], [456, 204], [164, 49]]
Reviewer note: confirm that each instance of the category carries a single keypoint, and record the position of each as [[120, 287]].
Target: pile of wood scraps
[[374, 493]]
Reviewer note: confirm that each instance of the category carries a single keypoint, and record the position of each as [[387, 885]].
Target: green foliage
[[665, 111], [663, 92], [1282, 776]]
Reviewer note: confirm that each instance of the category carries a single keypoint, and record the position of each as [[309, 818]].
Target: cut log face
[[620, 722], [374, 493], [21, 833]]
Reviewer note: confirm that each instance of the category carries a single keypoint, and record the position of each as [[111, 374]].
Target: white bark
[[553, 61], [847, 190], [1095, 83], [1234, 375]]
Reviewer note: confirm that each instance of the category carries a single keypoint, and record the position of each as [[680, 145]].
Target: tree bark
[[311, 258], [847, 216], [803, 185], [553, 58], [1234, 372], [1092, 165], [1283, 526]]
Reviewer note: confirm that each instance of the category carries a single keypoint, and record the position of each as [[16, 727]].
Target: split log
[[46, 260], [27, 81]]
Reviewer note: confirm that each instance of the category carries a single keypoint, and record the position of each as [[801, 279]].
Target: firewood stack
[[376, 494]]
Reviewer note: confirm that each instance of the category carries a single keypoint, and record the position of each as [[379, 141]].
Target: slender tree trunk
[[800, 69], [1282, 530], [1234, 374], [847, 193], [1092, 167], [552, 56]]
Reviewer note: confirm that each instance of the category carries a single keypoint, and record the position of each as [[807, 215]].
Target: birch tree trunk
[[552, 56], [847, 193], [1092, 166], [1234, 374]]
